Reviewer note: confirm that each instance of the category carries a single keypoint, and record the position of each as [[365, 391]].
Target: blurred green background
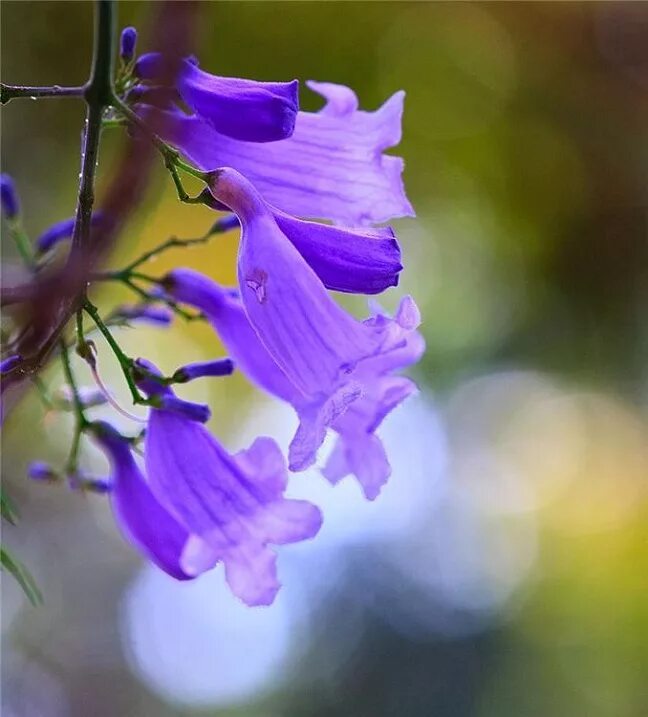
[[504, 571]]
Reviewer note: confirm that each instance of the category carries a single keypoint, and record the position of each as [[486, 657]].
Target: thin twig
[[11, 92]]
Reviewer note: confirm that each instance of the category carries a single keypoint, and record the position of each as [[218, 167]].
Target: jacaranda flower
[[332, 167], [142, 519], [241, 109], [232, 505], [358, 450]]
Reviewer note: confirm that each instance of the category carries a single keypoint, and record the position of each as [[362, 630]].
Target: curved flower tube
[[142, 519], [242, 109], [232, 505], [358, 450]]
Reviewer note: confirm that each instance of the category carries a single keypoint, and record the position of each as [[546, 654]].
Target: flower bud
[[218, 367], [42, 472], [127, 43], [9, 363], [8, 197]]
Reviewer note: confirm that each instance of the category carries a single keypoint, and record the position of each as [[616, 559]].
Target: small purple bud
[[83, 481], [59, 232], [127, 43], [225, 224], [8, 197], [219, 367], [153, 314], [42, 472], [193, 411], [10, 363]]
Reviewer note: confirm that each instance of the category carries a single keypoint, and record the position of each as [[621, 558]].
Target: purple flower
[[358, 450], [142, 519], [241, 109], [59, 232], [332, 167], [233, 505], [8, 197], [127, 42]]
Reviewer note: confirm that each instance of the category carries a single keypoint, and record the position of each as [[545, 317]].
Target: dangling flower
[[358, 450], [242, 109], [143, 520], [232, 505], [332, 167]]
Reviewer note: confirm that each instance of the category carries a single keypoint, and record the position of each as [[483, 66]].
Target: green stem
[[22, 243], [171, 156], [125, 362], [82, 422]]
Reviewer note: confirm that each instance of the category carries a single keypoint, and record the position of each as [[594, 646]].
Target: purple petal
[[359, 261], [332, 167], [242, 109], [142, 519], [225, 312], [315, 342], [232, 503], [358, 450], [354, 410]]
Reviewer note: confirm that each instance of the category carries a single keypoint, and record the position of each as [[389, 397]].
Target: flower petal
[[332, 167], [242, 109], [358, 261], [232, 503], [143, 520]]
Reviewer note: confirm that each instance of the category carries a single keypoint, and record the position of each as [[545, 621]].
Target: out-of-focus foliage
[[503, 571]]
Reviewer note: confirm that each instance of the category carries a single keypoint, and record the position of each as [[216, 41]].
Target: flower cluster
[[191, 504]]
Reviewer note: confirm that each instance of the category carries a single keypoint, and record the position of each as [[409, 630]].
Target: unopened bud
[[127, 43], [8, 197]]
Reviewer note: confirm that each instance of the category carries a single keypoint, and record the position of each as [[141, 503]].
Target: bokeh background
[[504, 569]]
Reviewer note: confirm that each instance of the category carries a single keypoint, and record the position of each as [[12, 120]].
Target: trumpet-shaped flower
[[358, 450], [333, 166], [232, 505], [141, 517]]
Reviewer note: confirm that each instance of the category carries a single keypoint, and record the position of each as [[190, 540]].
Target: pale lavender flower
[[140, 516], [232, 505], [333, 166], [358, 450]]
